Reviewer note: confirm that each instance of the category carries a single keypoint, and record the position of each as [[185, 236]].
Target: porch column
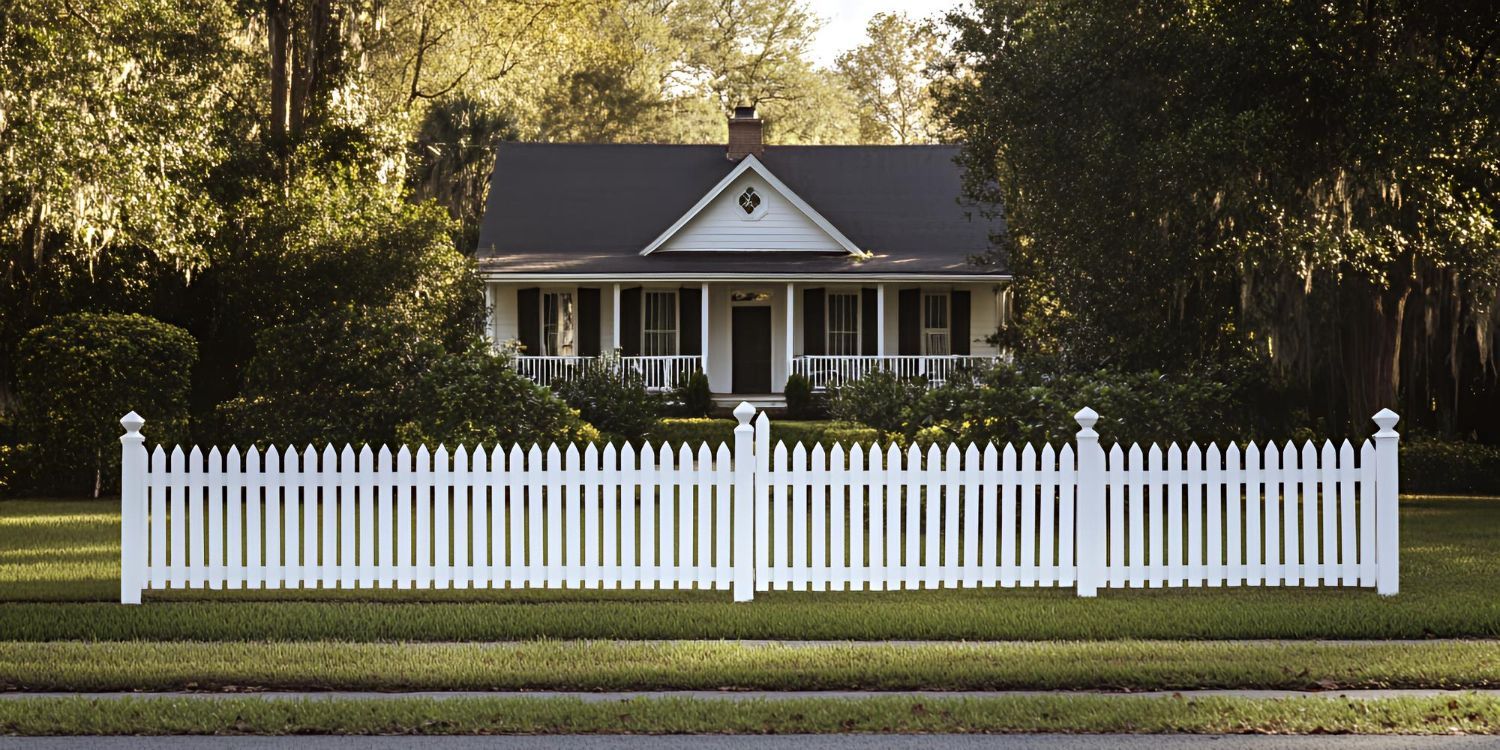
[[703, 328], [489, 314], [791, 328], [880, 319], [615, 341]]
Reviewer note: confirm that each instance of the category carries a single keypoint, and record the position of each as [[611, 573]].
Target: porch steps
[[770, 402]]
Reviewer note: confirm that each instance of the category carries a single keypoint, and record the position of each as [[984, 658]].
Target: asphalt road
[[781, 742]]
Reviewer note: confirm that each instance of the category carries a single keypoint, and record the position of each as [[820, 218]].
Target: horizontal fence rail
[[755, 517]]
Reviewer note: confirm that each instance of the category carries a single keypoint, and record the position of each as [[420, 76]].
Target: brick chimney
[[745, 134]]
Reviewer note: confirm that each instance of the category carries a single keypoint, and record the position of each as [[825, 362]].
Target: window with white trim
[[659, 323], [559, 327], [935, 337], [843, 323]]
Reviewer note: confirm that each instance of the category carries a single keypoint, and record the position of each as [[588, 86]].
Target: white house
[[750, 262]]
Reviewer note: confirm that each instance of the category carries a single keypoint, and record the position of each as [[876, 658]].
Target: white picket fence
[[750, 517]]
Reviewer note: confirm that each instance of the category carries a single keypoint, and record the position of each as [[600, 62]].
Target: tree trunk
[[278, 39]]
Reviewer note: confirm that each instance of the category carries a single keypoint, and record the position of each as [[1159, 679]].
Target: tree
[[889, 76], [108, 115], [1309, 184], [452, 156]]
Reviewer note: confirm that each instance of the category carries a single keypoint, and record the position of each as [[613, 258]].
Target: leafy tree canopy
[[1309, 183]]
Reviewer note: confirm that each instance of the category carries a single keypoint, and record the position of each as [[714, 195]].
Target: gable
[[774, 224], [751, 210]]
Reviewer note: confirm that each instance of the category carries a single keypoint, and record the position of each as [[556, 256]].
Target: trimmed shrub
[[1439, 467], [79, 373], [1007, 404], [338, 378], [880, 400], [476, 398], [693, 398], [694, 431], [824, 433], [714, 431], [612, 398], [801, 402]]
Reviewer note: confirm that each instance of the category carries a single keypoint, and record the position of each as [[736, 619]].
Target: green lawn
[[59, 559], [714, 665], [1472, 714]]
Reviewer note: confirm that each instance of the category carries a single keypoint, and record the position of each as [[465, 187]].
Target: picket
[[752, 517]]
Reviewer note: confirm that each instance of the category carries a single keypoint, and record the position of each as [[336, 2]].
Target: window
[[935, 323], [659, 323], [558, 324], [843, 323]]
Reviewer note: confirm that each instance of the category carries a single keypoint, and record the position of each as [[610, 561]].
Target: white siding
[[506, 327], [722, 225], [984, 301]]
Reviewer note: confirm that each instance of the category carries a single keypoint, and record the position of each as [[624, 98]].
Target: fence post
[[132, 508], [1387, 505], [744, 504], [1090, 515]]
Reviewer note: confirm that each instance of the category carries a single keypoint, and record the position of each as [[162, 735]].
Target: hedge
[[1450, 467], [78, 375], [714, 431]]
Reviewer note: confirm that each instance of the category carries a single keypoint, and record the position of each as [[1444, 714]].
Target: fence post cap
[[1386, 419], [744, 412], [132, 422], [1086, 418]]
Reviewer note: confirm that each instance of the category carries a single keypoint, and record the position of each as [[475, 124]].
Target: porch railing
[[661, 373], [825, 371]]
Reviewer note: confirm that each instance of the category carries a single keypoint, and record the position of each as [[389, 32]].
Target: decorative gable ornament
[[753, 202], [749, 200]]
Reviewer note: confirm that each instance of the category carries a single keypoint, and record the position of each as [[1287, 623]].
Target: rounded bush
[[79, 373]]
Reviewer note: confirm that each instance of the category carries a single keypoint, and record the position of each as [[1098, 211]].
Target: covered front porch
[[749, 335]]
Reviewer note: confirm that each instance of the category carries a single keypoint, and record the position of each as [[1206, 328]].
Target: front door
[[750, 341]]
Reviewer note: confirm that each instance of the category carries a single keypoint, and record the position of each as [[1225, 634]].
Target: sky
[[844, 21]]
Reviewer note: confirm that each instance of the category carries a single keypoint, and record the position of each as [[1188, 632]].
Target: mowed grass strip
[[59, 563], [608, 666], [1473, 714]]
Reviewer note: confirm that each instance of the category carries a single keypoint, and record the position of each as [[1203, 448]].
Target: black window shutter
[[869, 343], [630, 322], [588, 322], [814, 312], [690, 313], [959, 309], [529, 321], [909, 316]]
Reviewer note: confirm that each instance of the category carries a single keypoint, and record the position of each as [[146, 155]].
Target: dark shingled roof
[[591, 208]]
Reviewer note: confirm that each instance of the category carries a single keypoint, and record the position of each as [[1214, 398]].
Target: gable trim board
[[750, 163]]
